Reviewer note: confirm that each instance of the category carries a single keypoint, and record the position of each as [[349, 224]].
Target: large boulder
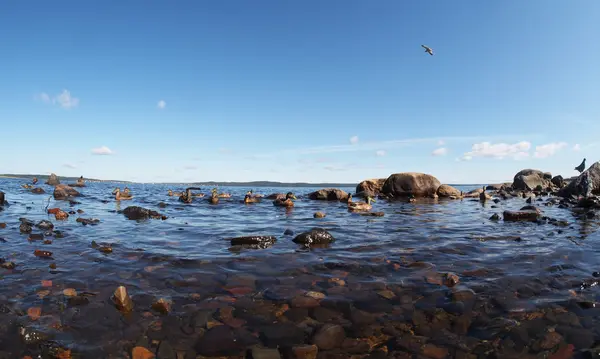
[[577, 186], [370, 187], [62, 191], [53, 180], [411, 183], [329, 194], [528, 180], [447, 191], [558, 181]]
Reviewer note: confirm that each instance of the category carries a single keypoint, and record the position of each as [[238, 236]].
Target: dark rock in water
[[79, 184], [265, 353], [288, 232], [162, 205], [578, 185], [53, 180], [410, 183], [314, 236], [558, 181], [529, 179], [372, 214], [370, 187], [219, 341], [330, 336], [2, 200], [524, 215], [63, 191], [253, 241], [528, 208], [495, 217], [166, 351], [282, 335], [38, 190], [447, 191], [136, 213], [319, 215], [86, 221], [45, 225], [25, 228], [329, 194]]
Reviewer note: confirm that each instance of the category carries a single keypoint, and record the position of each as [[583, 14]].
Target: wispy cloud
[[102, 151], [577, 147], [190, 167], [63, 99], [335, 168], [69, 165], [380, 153], [354, 140], [442, 151], [225, 151], [517, 150], [549, 149], [441, 142], [162, 104]]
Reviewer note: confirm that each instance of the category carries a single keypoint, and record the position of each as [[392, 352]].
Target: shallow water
[[513, 269]]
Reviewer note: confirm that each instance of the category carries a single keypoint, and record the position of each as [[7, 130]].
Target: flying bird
[[581, 167], [428, 50]]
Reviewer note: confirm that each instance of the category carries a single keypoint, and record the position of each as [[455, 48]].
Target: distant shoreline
[[42, 178]]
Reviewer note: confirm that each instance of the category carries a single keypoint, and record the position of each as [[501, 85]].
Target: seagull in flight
[[428, 50]]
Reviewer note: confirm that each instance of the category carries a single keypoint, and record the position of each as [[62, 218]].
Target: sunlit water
[[190, 251]]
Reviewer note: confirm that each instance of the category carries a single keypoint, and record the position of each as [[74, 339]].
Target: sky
[[298, 91]]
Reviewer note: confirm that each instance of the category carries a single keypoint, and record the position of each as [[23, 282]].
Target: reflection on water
[[513, 267]]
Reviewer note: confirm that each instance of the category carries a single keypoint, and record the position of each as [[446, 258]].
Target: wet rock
[[411, 183], [7, 264], [86, 221], [42, 254], [303, 301], [162, 205], [162, 306], [38, 190], [282, 335], [36, 237], [25, 228], [219, 341], [370, 187], [61, 215], [137, 213], [265, 353], [53, 180], [558, 181], [253, 240], [528, 215], [434, 352], [122, 300], [166, 351], [31, 336], [64, 192], [45, 225], [329, 194], [329, 336], [529, 179], [495, 217], [446, 191], [551, 339], [2, 199], [304, 352], [314, 236], [451, 279], [372, 214], [288, 232], [141, 353], [319, 215]]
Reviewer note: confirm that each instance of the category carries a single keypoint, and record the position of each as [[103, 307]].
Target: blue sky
[[318, 91]]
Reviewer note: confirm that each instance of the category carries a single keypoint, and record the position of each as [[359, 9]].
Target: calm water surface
[[512, 267]]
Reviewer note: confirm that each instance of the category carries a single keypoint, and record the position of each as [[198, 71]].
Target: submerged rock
[[319, 215], [330, 336], [329, 194], [314, 236], [411, 183], [62, 191], [38, 190], [45, 225], [252, 240], [529, 215], [122, 300], [136, 212]]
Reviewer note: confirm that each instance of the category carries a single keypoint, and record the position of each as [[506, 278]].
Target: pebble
[[329, 336]]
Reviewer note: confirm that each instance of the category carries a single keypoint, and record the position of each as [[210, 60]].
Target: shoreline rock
[[447, 191], [62, 192], [53, 180], [410, 183], [329, 194], [370, 187]]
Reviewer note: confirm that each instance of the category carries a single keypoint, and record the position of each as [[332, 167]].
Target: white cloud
[[441, 142], [577, 147], [549, 149], [500, 151], [190, 168], [64, 99], [442, 151], [102, 151], [354, 140], [380, 153], [69, 165], [162, 104]]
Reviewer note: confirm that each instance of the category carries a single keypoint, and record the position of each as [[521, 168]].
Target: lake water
[[383, 280]]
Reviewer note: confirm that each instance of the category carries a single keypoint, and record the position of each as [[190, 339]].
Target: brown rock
[[305, 352], [162, 306], [529, 215], [529, 179], [329, 194], [435, 352], [2, 200], [446, 191], [53, 180], [371, 187], [411, 183], [452, 279], [62, 191], [329, 336], [319, 215], [141, 353], [2, 225], [61, 215], [122, 299], [551, 340], [38, 190], [303, 301]]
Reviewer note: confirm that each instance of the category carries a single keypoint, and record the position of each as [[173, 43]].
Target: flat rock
[[219, 341], [329, 194], [314, 236], [136, 213], [528, 215], [253, 240]]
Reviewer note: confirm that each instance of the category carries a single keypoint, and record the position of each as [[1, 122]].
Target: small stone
[[61, 215], [319, 215], [551, 340], [70, 292], [452, 279], [302, 301], [329, 336], [387, 294], [305, 352], [315, 295], [122, 299], [434, 352], [42, 254], [265, 353], [141, 353], [495, 217]]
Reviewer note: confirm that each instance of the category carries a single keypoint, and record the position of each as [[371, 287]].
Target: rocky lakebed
[[431, 271]]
